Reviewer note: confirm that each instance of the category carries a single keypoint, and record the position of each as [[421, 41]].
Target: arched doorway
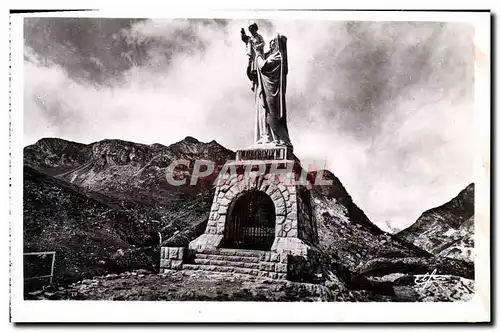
[[251, 222]]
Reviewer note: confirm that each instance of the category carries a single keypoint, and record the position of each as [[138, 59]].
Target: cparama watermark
[[180, 172]]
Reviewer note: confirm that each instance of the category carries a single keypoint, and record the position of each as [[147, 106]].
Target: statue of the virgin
[[270, 88]]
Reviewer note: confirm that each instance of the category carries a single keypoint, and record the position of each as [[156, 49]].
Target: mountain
[[121, 168], [130, 178], [447, 230], [107, 205], [346, 233], [89, 235], [70, 187]]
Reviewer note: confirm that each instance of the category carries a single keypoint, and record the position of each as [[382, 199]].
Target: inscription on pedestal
[[262, 154]]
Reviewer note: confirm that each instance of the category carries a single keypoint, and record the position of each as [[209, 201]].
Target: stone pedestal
[[275, 171]]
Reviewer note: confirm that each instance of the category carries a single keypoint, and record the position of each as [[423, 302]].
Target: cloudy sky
[[388, 105]]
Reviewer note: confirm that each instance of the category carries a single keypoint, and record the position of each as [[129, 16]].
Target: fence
[[43, 253]]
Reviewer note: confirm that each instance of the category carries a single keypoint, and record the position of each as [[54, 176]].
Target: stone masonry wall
[[289, 208], [172, 258]]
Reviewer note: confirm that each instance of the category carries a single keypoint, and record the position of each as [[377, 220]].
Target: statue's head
[[253, 28], [278, 43]]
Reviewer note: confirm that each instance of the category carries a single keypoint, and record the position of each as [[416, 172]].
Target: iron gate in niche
[[251, 222]]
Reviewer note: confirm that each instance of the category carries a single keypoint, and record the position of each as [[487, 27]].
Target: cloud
[[389, 105]]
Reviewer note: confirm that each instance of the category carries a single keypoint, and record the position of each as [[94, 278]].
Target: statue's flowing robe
[[270, 94]]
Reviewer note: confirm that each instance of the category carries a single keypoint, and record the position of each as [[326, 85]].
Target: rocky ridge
[[447, 230], [118, 192]]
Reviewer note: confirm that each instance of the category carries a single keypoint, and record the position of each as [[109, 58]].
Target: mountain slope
[[346, 233], [121, 168], [89, 236], [115, 196], [447, 230], [132, 177]]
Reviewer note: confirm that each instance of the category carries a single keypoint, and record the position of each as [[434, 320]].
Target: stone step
[[231, 269], [243, 264], [214, 257], [234, 252]]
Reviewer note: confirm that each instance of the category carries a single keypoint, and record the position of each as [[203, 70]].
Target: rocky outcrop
[[447, 230]]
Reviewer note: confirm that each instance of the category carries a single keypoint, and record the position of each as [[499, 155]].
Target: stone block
[[162, 252], [281, 268], [264, 185], [252, 183], [224, 201], [165, 263], [215, 206], [273, 275], [222, 209], [211, 223], [286, 194], [280, 202], [280, 210], [269, 267], [280, 220], [172, 253], [182, 254], [235, 189], [201, 261], [239, 264], [176, 264], [276, 196], [281, 186], [284, 258], [223, 188], [271, 190], [274, 257], [287, 226], [190, 267], [220, 228], [230, 252], [251, 265], [264, 274]]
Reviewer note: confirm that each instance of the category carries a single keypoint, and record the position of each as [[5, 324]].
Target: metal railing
[[41, 253]]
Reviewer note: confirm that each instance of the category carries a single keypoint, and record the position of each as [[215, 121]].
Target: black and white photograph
[[251, 158]]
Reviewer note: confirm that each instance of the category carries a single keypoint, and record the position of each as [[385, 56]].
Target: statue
[[267, 72], [255, 45]]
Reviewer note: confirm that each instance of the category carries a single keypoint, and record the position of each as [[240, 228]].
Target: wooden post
[[52, 267]]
